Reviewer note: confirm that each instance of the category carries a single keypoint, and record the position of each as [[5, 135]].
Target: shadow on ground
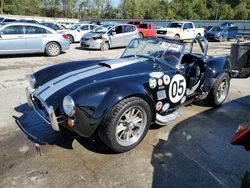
[[26, 55], [88, 49], [38, 131], [198, 152]]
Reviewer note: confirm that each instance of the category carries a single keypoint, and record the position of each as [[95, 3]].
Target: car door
[[186, 32], [12, 39], [240, 59], [81, 31], [35, 38], [117, 36]]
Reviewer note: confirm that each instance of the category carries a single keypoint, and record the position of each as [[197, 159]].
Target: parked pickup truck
[[180, 30], [147, 30]]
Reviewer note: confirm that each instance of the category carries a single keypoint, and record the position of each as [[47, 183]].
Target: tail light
[[65, 36]]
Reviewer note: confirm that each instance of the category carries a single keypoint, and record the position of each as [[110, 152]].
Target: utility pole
[[217, 11]]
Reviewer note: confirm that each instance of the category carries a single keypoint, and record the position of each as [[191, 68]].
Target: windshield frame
[[161, 58]]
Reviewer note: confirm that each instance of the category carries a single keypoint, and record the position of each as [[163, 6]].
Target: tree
[[132, 9], [241, 12]]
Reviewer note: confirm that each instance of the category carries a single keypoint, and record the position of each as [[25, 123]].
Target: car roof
[[27, 24]]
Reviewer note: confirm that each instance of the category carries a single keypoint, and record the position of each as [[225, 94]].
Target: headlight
[[69, 105], [32, 81], [96, 38]]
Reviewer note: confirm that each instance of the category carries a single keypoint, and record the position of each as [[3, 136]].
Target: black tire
[[53, 49], [109, 128], [141, 35], [177, 37], [214, 98], [71, 39], [104, 46], [221, 38]]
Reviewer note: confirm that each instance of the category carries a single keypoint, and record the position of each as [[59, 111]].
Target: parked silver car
[[22, 38], [109, 36]]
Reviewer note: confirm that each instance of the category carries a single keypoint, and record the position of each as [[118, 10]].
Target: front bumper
[[91, 44], [46, 112]]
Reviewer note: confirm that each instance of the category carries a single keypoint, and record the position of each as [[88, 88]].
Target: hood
[[214, 32], [169, 29], [91, 35], [53, 91]]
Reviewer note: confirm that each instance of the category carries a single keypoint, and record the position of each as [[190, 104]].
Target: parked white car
[[180, 30], [76, 32]]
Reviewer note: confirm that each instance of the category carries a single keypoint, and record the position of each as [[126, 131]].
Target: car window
[[118, 29], [93, 27], [133, 28], [144, 26], [35, 30], [185, 26], [190, 26], [232, 29], [13, 30], [127, 28], [84, 27]]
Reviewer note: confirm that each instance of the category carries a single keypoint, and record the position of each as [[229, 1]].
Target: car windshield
[[175, 25], [102, 29], [74, 27], [217, 29], [168, 50]]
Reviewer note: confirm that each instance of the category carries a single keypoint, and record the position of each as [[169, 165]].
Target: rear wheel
[[53, 49], [126, 124], [141, 35], [71, 39], [177, 37], [219, 92]]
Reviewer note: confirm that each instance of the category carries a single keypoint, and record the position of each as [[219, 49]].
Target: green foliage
[[131, 9]]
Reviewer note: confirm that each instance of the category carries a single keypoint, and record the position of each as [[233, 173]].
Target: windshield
[[74, 27], [167, 50], [175, 25], [102, 29], [216, 29]]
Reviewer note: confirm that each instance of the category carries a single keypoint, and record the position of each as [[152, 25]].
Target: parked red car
[[147, 30]]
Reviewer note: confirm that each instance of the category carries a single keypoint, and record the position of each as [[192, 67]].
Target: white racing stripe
[[56, 84]]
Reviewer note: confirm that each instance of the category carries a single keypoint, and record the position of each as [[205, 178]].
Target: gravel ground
[[194, 151]]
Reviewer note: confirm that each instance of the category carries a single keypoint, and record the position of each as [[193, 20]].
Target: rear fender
[[213, 69]]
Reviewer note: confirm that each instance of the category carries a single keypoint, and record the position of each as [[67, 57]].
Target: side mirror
[[78, 30]]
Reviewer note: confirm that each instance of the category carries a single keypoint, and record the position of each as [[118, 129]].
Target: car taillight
[[65, 36]]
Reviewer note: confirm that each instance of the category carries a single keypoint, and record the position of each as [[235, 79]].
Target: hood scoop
[[117, 63]]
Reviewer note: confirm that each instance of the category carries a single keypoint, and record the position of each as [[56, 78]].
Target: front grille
[[40, 107], [162, 32]]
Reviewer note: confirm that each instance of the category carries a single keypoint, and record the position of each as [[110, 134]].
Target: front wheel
[[126, 124], [104, 46], [219, 92], [53, 49]]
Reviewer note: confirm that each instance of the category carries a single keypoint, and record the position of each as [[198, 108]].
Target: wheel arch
[[72, 37], [54, 42]]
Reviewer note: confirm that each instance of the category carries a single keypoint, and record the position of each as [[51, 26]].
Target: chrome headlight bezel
[[32, 81], [69, 106]]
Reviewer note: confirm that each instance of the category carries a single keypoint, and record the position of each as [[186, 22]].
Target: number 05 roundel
[[177, 88]]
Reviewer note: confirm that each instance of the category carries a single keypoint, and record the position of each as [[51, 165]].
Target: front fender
[[94, 101]]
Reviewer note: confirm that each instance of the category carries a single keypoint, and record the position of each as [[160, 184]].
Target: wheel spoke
[[120, 128]]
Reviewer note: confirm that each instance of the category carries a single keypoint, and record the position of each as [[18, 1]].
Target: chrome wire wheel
[[222, 91], [53, 49], [131, 125]]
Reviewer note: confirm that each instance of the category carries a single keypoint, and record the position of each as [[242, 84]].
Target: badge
[[165, 107], [160, 82], [158, 106], [156, 74], [166, 79], [161, 95], [152, 83]]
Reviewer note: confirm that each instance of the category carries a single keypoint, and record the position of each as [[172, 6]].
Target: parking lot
[[193, 151]]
